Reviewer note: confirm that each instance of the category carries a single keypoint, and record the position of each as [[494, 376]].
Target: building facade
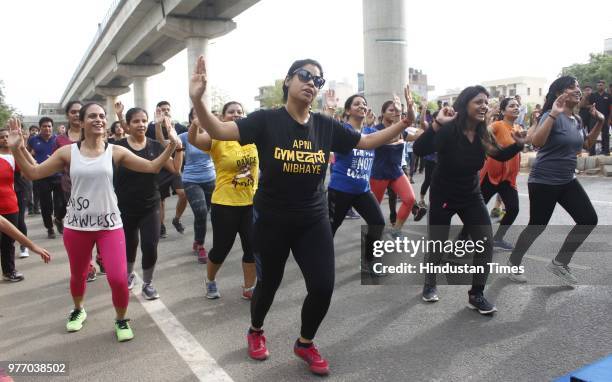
[[530, 89], [46, 109]]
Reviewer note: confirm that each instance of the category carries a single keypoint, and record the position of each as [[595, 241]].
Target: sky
[[456, 43]]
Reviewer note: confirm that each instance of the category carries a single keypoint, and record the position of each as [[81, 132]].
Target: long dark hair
[[295, 66], [556, 88], [502, 107], [460, 122]]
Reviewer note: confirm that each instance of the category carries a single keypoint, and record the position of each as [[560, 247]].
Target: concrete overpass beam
[[111, 94], [139, 73], [181, 28]]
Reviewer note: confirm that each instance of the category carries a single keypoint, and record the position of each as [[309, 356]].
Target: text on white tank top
[[93, 203]]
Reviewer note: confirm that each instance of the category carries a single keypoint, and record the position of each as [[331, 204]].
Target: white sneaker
[[24, 253]]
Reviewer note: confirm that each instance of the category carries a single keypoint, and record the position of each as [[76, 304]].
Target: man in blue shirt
[[52, 201]]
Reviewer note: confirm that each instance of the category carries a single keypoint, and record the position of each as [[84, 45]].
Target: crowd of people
[[261, 176]]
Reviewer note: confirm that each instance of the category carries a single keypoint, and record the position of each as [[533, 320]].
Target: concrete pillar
[[140, 92], [385, 59], [111, 94], [196, 47], [110, 109]]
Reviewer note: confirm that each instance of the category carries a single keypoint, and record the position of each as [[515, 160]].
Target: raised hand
[[159, 116], [331, 102], [408, 97], [119, 108], [15, 138], [446, 115], [167, 122], [172, 136], [397, 103], [558, 105], [519, 136], [197, 85], [596, 113]]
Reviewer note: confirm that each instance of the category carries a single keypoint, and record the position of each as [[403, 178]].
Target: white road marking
[[201, 363]]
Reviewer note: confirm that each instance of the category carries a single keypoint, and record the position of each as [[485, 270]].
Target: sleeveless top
[[93, 203]]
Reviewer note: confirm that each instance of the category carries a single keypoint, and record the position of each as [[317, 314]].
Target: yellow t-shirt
[[237, 169]]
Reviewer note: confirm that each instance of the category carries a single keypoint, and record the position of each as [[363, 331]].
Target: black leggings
[[227, 221], [509, 196], [429, 169], [7, 247], [542, 201], [22, 202], [313, 250], [366, 205], [148, 224], [476, 220]]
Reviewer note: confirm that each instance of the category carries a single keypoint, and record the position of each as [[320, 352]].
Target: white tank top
[[93, 203]]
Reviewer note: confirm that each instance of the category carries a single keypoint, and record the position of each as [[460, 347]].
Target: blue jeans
[[198, 196]]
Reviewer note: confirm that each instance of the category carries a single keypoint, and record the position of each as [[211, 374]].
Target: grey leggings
[[198, 196]]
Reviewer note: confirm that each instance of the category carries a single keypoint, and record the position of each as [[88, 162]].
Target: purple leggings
[[111, 246]]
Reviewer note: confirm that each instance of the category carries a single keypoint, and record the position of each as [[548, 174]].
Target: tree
[[272, 96], [218, 98], [598, 68], [6, 111]]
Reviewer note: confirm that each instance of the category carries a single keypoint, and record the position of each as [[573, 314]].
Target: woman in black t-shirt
[[460, 137], [138, 199], [290, 210]]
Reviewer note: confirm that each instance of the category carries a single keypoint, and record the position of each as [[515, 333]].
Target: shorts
[[175, 183]]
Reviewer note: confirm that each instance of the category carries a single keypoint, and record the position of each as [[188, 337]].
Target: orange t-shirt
[[502, 171]]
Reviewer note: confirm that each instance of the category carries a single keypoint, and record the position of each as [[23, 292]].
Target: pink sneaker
[[202, 255], [317, 364], [257, 346]]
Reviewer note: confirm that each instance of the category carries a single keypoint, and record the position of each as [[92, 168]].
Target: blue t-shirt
[[351, 172], [42, 149], [387, 160], [199, 168], [555, 163]]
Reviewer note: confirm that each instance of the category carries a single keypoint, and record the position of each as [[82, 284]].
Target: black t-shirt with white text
[[293, 160], [137, 192]]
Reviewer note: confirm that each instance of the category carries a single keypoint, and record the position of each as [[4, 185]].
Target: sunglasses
[[305, 76]]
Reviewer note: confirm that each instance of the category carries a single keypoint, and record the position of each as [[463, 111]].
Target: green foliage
[[598, 68], [6, 111], [272, 96]]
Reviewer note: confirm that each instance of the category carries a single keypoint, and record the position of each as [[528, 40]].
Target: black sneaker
[[430, 293], [162, 231], [13, 276], [59, 225], [422, 211], [479, 302], [50, 233], [176, 222]]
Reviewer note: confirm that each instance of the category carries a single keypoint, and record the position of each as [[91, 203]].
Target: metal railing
[[102, 27]]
